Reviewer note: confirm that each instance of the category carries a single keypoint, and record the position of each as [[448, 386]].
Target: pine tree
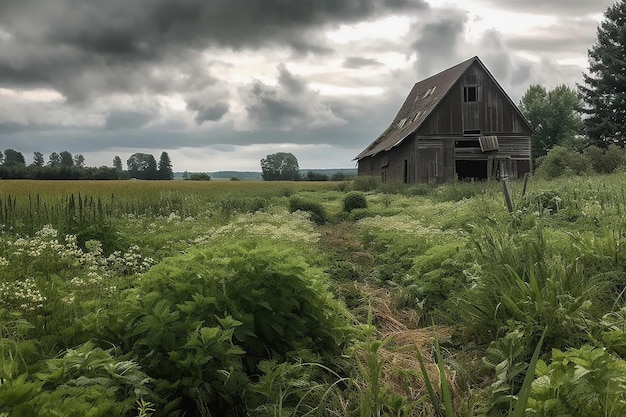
[[604, 91], [165, 167]]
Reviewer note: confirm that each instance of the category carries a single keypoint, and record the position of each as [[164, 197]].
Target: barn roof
[[421, 101]]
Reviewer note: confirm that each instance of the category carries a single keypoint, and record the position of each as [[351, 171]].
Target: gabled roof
[[422, 100]]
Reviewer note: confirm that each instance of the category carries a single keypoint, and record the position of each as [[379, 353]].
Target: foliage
[[215, 314], [142, 166], [199, 176], [602, 93], [315, 209], [605, 161], [553, 115], [523, 283], [586, 381], [542, 201], [354, 200], [561, 161], [164, 171], [366, 183], [280, 166]]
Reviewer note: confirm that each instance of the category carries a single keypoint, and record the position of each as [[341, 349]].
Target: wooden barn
[[458, 124]]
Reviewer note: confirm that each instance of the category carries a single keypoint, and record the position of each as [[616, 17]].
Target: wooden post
[[526, 177], [506, 189]]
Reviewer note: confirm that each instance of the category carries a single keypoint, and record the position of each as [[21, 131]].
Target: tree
[[13, 158], [553, 115], [66, 159], [79, 161], [38, 159], [604, 91], [165, 167], [281, 166], [117, 163], [54, 159], [143, 166]]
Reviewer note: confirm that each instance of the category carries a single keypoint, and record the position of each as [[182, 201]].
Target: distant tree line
[[65, 166]]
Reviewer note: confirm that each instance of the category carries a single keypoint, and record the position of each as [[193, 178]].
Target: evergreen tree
[[165, 167], [604, 91]]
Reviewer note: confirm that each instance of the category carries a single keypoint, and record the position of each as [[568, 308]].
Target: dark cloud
[[53, 43], [437, 41], [289, 105], [207, 112], [356, 62], [120, 120]]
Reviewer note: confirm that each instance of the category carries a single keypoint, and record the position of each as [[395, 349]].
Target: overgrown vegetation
[[318, 298]]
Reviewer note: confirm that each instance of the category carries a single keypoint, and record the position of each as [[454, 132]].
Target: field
[[147, 298]]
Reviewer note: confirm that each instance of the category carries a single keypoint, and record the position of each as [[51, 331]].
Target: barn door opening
[[471, 169]]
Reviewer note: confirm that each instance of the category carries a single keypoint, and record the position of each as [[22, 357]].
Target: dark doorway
[[466, 170]]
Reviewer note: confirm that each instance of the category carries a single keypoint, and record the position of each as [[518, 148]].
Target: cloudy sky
[[220, 84]]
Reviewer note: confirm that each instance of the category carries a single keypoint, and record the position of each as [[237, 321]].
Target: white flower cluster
[[23, 294], [294, 228], [399, 223]]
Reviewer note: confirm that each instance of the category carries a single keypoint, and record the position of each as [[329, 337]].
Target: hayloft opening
[[467, 170]]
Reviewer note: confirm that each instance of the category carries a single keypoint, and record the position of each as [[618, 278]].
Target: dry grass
[[403, 336]]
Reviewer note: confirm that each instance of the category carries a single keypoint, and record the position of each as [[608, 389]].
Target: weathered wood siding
[[431, 154], [493, 113]]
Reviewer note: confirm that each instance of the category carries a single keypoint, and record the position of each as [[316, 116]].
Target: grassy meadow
[[236, 298]]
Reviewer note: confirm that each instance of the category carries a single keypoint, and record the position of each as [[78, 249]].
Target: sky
[[221, 84]]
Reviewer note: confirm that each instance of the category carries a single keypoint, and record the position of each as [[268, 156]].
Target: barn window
[[470, 93]]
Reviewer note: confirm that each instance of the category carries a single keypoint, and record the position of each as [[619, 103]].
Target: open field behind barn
[[300, 298]]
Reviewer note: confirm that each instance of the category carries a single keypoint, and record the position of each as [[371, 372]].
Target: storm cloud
[[238, 78]]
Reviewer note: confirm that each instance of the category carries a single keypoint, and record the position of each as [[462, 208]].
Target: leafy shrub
[[354, 200], [86, 381], [200, 324], [561, 161], [317, 210], [579, 382], [605, 161]]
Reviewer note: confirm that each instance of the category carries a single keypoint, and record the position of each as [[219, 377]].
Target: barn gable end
[[457, 124]]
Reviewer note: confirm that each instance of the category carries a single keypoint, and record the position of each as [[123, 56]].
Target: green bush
[[315, 209], [354, 200], [200, 324], [561, 161], [579, 382], [605, 161]]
